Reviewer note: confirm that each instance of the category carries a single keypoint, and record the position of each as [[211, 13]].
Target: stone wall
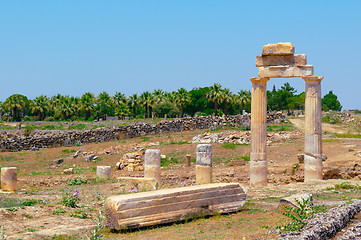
[[17, 140]]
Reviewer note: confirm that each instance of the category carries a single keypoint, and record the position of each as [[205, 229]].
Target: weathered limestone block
[[291, 201], [203, 163], [9, 179], [276, 60], [171, 205], [152, 164], [278, 49], [285, 71], [103, 172], [188, 157]]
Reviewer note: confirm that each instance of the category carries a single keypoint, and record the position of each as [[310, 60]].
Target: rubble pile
[[243, 137]]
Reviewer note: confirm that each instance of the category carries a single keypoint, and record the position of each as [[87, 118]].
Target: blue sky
[[71, 47]]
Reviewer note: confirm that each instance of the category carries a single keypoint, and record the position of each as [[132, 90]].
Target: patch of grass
[[278, 128], [28, 216], [79, 126], [79, 213], [77, 181], [347, 135], [165, 162], [299, 215], [144, 139], [178, 143], [39, 173], [246, 158], [229, 145], [346, 185], [12, 204], [30, 230], [68, 151], [59, 211], [351, 150], [329, 140], [332, 119]]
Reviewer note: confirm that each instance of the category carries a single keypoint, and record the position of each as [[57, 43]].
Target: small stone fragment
[[68, 171], [91, 157], [103, 172]]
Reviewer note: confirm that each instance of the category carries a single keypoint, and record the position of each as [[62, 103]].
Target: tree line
[[198, 101]]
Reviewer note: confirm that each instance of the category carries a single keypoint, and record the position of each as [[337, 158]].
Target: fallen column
[[170, 205], [203, 163]]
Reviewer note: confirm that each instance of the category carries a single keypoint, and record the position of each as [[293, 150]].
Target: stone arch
[[279, 61]]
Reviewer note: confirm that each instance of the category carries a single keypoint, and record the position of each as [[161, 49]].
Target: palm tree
[[158, 96], [15, 104], [65, 107], [227, 98], [182, 96], [40, 105], [134, 101], [146, 101], [245, 97], [119, 98], [105, 104], [87, 103], [215, 94]]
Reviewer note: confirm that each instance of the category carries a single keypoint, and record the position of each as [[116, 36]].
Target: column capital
[[259, 80], [312, 78]]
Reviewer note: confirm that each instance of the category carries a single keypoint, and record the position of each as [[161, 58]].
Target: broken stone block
[[152, 164], [278, 49], [103, 172], [68, 171], [285, 71], [77, 153], [58, 161], [9, 179], [277, 60], [91, 157], [203, 163], [291, 200], [237, 163], [137, 210]]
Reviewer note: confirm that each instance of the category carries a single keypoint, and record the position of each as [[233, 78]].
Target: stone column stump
[[9, 178], [103, 172], [203, 163], [152, 164]]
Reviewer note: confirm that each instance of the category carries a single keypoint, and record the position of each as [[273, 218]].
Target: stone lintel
[[278, 49], [276, 60], [285, 71], [312, 78]]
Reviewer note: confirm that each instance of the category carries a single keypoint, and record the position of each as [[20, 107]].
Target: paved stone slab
[[278, 49], [277, 60], [285, 71], [170, 205]]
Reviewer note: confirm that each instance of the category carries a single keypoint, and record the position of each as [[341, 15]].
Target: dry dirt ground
[[43, 184]]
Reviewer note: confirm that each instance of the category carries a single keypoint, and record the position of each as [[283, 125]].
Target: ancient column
[[103, 172], [9, 178], [313, 128], [203, 163], [258, 165], [152, 164]]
